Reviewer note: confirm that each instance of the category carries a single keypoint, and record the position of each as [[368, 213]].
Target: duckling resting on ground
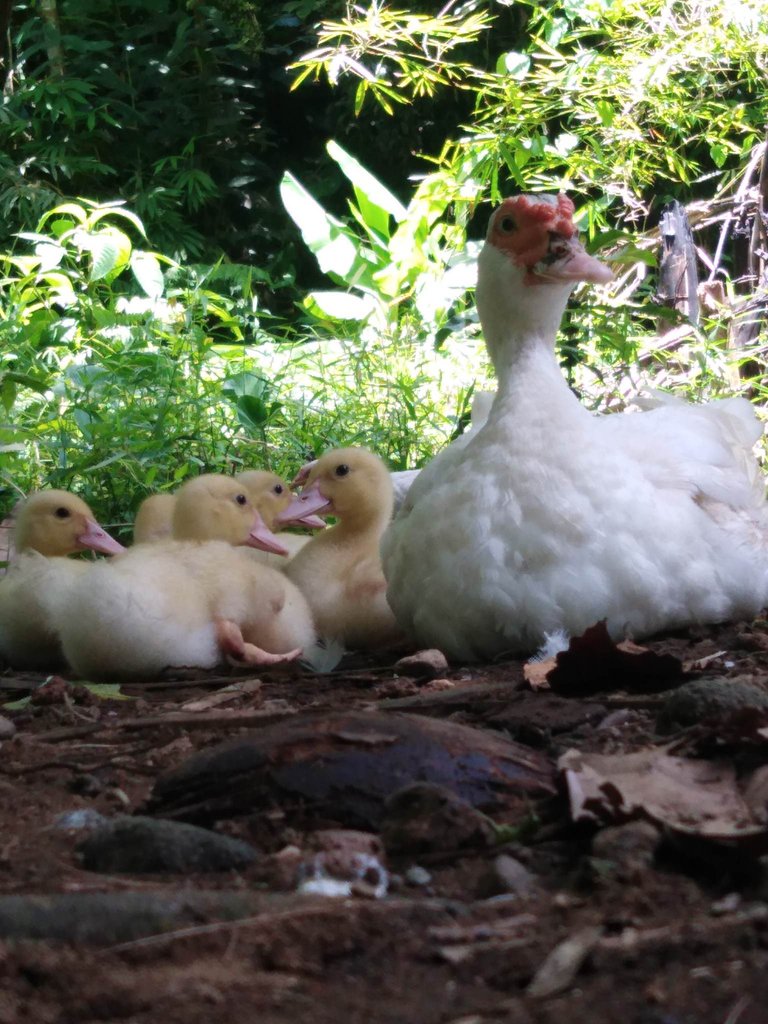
[[339, 571], [272, 495], [49, 526], [154, 519], [266, 490], [196, 602]]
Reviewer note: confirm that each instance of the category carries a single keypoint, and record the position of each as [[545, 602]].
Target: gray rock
[[425, 818], [425, 664], [694, 702], [630, 849], [512, 876], [7, 728], [417, 875], [138, 844], [105, 918]]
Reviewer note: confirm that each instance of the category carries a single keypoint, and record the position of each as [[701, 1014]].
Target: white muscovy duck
[[550, 517]]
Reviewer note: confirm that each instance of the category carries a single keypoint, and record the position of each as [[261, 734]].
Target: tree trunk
[[52, 35], [6, 53], [678, 279]]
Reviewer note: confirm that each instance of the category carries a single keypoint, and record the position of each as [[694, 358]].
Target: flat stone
[[139, 844], [423, 818], [425, 664], [630, 848], [694, 702], [105, 918], [7, 728], [417, 875], [512, 876]]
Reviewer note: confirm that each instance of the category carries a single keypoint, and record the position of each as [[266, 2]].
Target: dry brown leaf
[[696, 797], [535, 673], [593, 663]]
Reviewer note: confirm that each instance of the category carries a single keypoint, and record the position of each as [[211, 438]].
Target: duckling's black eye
[[342, 469], [278, 488], [241, 499], [62, 513], [507, 225]]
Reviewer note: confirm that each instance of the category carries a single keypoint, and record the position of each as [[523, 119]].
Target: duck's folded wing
[[704, 449]]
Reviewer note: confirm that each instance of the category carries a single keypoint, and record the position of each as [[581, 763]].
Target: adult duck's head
[[217, 507], [530, 263], [352, 484], [58, 523]]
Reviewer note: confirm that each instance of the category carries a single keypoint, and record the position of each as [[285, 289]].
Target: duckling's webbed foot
[[238, 652]]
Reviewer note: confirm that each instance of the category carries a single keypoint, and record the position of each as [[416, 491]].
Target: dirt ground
[[542, 923]]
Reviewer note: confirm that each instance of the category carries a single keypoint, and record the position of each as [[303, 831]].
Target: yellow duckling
[[198, 601], [272, 495], [339, 571], [49, 526], [154, 519], [267, 491]]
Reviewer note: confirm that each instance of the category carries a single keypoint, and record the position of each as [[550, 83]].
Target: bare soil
[[677, 937]]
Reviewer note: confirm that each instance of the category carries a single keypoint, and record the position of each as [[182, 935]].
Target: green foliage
[[109, 375], [155, 101], [397, 55], [128, 364], [623, 103], [123, 372]]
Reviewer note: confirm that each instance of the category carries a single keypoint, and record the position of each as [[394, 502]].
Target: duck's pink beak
[[301, 476], [304, 505], [568, 260], [97, 539], [310, 522], [262, 537]]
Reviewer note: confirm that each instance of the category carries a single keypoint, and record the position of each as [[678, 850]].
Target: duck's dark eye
[[278, 488], [507, 225], [241, 499], [342, 469], [62, 513]]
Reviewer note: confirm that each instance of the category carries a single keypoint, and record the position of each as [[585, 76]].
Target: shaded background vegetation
[[299, 297]]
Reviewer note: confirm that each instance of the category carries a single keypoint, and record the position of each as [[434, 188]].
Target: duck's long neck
[[520, 324]]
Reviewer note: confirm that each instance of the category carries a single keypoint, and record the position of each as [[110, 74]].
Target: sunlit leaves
[[397, 55]]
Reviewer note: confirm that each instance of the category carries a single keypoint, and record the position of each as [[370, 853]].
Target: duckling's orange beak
[[97, 539], [306, 504], [262, 537]]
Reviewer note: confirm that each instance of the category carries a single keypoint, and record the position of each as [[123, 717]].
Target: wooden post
[[678, 278]]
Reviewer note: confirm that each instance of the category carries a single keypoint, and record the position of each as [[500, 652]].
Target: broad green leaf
[[252, 411], [148, 272], [72, 209], [118, 211], [324, 235], [339, 305], [110, 251], [375, 201], [516, 65], [245, 383]]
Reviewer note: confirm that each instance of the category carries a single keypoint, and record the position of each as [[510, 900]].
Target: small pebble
[[82, 818], [513, 876], [726, 905], [417, 875], [424, 664], [631, 848]]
